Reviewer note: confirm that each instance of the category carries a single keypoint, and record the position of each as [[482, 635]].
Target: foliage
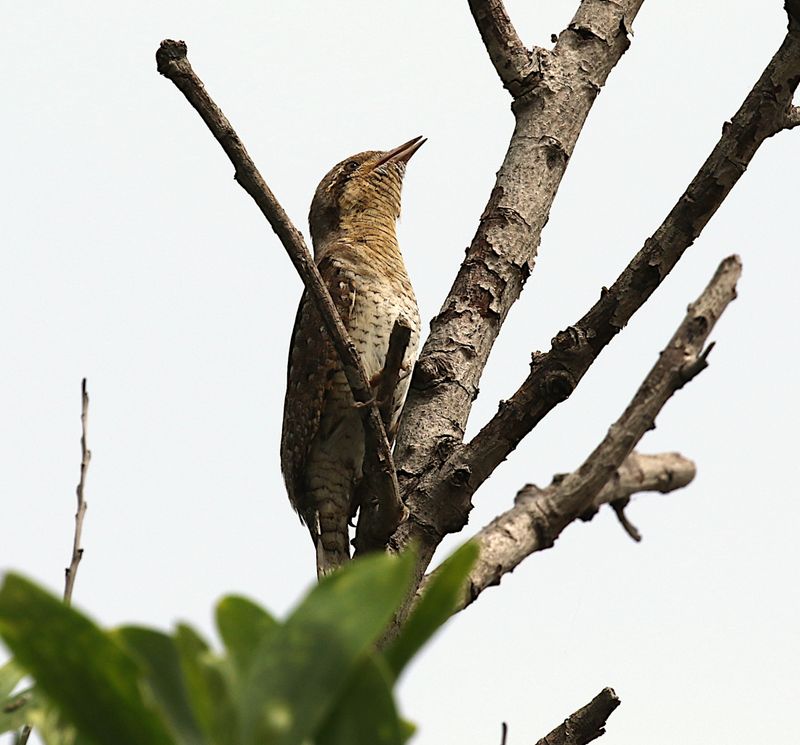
[[317, 677]]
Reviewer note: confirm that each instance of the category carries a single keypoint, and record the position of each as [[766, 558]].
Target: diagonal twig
[[540, 515], [379, 468]]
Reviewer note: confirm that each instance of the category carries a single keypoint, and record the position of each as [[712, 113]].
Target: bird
[[352, 221]]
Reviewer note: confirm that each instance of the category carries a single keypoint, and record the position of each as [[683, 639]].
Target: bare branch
[[792, 8], [173, 64], [550, 112], [540, 515], [508, 54], [71, 572], [586, 724], [664, 472], [86, 457], [442, 497], [792, 117], [392, 372]]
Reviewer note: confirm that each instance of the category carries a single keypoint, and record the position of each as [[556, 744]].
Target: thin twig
[[619, 505], [586, 724], [86, 456], [172, 62], [540, 515], [503, 733], [70, 573]]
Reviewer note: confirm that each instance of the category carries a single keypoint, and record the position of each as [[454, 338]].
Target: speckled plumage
[[352, 222]]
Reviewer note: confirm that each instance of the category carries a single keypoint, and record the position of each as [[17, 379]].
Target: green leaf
[[243, 625], [301, 670], [365, 714], [158, 655], [10, 674], [207, 686], [438, 602], [408, 730], [80, 668], [50, 726]]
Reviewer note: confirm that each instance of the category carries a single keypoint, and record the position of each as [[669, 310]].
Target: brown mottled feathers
[[313, 363]]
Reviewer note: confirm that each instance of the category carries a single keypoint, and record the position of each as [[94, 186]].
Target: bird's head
[[362, 189]]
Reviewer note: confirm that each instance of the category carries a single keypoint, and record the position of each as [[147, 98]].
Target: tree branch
[[392, 372], [71, 571], [586, 724], [549, 110], [508, 54], [540, 515], [792, 117], [440, 499], [379, 468], [663, 473]]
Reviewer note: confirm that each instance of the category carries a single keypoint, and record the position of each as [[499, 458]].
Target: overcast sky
[[131, 257]]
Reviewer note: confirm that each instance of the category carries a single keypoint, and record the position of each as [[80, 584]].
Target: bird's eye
[[351, 166]]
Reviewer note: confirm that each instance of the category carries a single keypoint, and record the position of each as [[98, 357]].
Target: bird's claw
[[364, 404]]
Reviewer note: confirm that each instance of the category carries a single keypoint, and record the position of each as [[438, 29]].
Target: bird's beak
[[402, 153]]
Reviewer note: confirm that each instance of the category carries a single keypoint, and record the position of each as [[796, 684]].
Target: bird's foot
[[363, 404]]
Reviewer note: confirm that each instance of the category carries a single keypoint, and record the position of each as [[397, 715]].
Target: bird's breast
[[375, 308]]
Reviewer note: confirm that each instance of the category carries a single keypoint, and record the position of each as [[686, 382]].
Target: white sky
[[130, 256]]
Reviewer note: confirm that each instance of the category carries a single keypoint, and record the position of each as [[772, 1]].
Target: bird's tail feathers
[[332, 541]]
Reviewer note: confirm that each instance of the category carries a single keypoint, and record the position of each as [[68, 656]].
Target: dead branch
[[392, 372], [86, 456], [513, 62], [440, 499], [586, 724], [540, 515], [664, 473], [71, 572], [549, 110], [173, 64]]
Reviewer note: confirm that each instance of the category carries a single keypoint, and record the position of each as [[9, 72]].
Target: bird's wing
[[313, 362]]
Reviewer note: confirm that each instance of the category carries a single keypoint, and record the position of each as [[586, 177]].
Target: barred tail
[[331, 537]]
